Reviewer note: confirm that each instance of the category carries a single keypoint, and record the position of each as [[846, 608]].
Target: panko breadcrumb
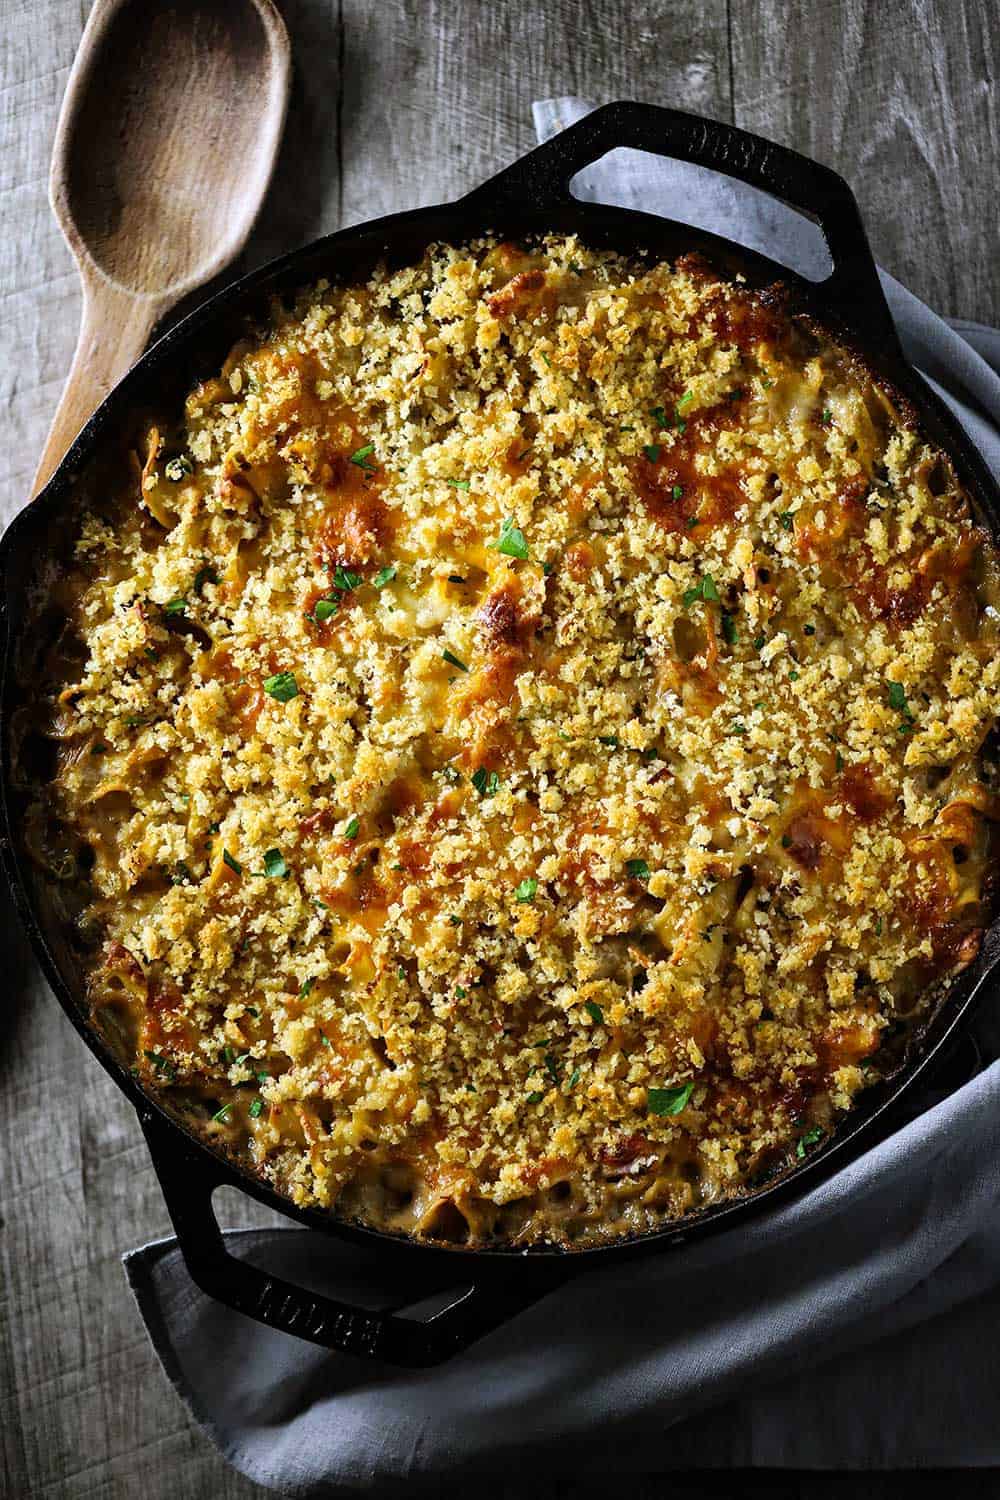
[[522, 732]]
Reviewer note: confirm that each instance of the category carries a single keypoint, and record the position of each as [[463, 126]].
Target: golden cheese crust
[[522, 733]]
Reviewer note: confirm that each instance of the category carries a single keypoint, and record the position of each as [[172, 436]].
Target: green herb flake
[[256, 1108], [460, 992], [897, 697], [758, 642], [511, 541], [361, 458], [234, 864], [669, 1101], [345, 580], [459, 484], [691, 522], [652, 452], [176, 606], [594, 1011], [838, 761], [611, 740], [638, 869], [351, 827], [282, 687], [453, 660], [551, 1067], [573, 1080], [222, 1115], [809, 1139], [306, 988], [324, 608], [737, 730], [658, 415], [535, 1097], [486, 783], [685, 400], [274, 864], [705, 589], [787, 520], [793, 676], [729, 630], [526, 891], [677, 491]]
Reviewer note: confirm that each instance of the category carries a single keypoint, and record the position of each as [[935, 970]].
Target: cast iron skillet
[[486, 1286]]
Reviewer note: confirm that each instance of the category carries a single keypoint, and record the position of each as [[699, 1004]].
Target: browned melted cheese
[[521, 729]]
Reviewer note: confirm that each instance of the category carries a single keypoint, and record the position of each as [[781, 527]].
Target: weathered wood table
[[398, 103]]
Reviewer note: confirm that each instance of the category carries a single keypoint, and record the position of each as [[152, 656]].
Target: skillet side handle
[[188, 1178], [853, 288]]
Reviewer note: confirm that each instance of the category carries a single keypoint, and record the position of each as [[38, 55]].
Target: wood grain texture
[[397, 103], [901, 98]]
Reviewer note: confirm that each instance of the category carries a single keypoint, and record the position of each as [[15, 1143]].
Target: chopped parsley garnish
[[535, 1097], [282, 687], [134, 720], [351, 827], [176, 606], [669, 1101], [704, 589], [652, 452], [839, 761], [163, 1066], [737, 729], [361, 456], [691, 522], [878, 926], [234, 864], [551, 1067], [204, 575], [384, 576], [611, 740], [687, 397], [897, 701], [787, 520], [460, 992], [793, 676], [274, 864], [729, 627], [659, 417], [176, 468], [638, 869], [345, 580], [573, 1079], [486, 783], [827, 416], [459, 484], [809, 1139], [306, 988], [324, 608], [511, 541], [222, 1115], [594, 1011], [453, 660], [526, 891], [758, 642], [677, 491], [256, 1108]]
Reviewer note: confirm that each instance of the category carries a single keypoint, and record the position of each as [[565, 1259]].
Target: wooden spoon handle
[[114, 329]]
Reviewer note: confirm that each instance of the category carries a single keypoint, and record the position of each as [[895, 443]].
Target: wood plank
[[901, 99], [468, 73]]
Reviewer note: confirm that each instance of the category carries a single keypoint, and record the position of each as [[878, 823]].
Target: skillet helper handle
[[853, 288], [188, 1177]]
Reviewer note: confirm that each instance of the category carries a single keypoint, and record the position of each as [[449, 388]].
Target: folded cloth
[[883, 1284]]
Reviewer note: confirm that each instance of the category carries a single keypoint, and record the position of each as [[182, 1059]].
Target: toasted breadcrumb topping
[[525, 741]]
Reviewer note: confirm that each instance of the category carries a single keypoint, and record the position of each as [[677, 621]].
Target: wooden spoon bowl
[[164, 149]]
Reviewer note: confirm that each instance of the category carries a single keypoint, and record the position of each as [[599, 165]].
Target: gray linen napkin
[[883, 1284]]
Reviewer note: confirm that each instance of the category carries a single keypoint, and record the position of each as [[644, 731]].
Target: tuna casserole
[[521, 743]]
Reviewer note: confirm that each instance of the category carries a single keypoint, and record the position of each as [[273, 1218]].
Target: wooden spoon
[[164, 149]]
